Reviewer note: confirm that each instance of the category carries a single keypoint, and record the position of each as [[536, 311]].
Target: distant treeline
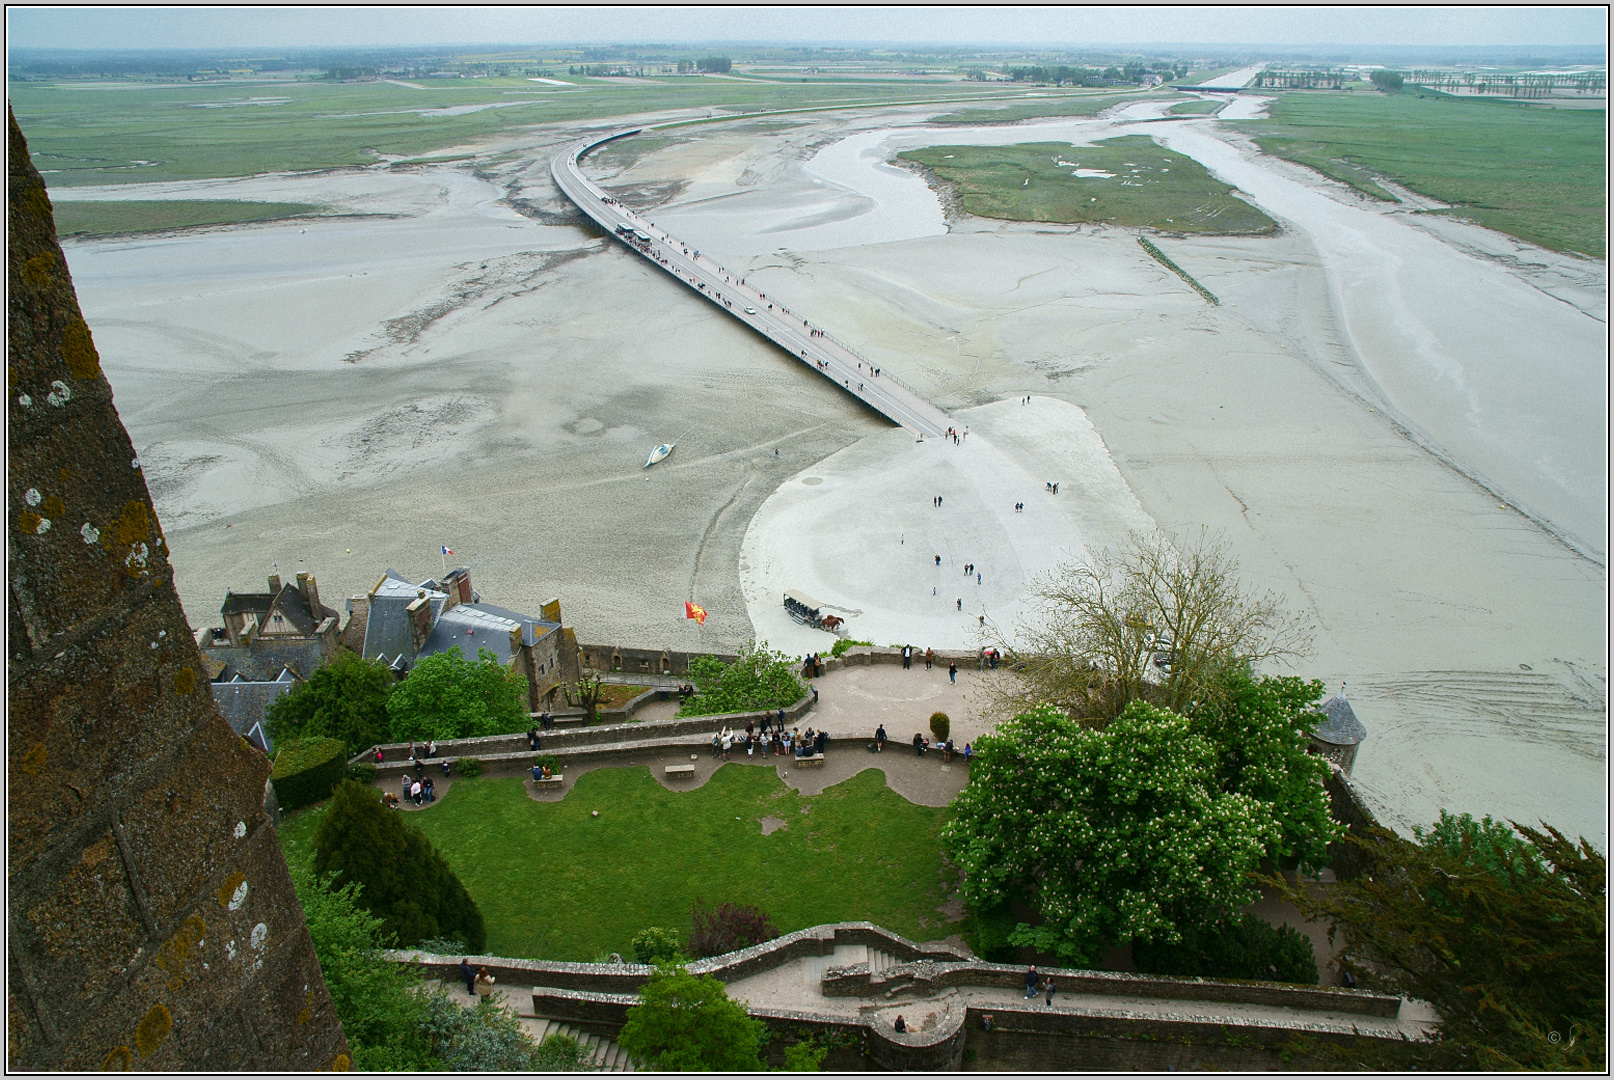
[[1063, 75]]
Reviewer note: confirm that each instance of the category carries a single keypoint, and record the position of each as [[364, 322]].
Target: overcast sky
[[200, 27]]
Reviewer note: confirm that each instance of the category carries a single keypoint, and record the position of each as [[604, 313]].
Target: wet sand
[[506, 411]]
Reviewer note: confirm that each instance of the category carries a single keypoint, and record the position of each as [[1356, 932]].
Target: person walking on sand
[[952, 673], [961, 603]]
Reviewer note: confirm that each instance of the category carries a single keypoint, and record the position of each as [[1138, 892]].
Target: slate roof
[[243, 704], [471, 626], [289, 602], [1341, 728], [265, 659], [386, 631]]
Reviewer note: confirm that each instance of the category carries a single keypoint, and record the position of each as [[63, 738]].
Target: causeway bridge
[[790, 330]]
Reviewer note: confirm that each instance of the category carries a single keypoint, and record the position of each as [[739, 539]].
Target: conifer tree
[[404, 881]]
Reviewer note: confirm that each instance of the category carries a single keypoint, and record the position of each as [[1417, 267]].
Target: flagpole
[[442, 550]]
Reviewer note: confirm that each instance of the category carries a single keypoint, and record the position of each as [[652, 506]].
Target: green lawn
[[555, 883], [1150, 186], [126, 131], [1534, 173], [138, 216]]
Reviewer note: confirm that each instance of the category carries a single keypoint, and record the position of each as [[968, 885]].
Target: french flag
[[447, 550]]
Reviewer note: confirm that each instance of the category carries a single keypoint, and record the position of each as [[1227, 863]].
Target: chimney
[[420, 622], [551, 610], [310, 590], [464, 573], [274, 584]]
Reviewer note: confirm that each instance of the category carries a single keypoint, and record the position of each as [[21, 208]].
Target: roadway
[[797, 335]]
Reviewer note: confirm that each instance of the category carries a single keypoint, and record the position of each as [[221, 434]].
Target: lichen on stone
[[153, 1029], [78, 350]]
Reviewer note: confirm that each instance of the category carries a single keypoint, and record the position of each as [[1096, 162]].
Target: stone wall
[[1346, 806], [152, 923]]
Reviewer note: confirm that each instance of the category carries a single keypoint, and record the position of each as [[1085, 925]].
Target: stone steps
[[608, 1056], [879, 961]]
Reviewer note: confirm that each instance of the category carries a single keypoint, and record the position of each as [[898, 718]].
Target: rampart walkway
[[807, 343]]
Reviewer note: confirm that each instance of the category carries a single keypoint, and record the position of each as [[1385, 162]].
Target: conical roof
[[1341, 728]]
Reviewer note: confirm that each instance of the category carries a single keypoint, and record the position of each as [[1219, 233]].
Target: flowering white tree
[[1111, 835]]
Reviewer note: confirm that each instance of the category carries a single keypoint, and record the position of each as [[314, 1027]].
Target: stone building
[[1338, 736], [151, 921], [403, 622]]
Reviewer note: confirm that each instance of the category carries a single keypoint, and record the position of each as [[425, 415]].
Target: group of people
[[922, 745], [417, 790], [1045, 985], [794, 742], [477, 980], [812, 667]]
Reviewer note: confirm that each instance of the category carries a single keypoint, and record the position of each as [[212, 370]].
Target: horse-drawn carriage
[[809, 612]]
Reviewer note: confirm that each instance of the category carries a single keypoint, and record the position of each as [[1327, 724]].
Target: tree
[[585, 692], [1388, 81], [759, 678], [1242, 947], [1508, 944], [717, 64], [346, 699], [727, 927], [1153, 623], [686, 1023], [404, 881], [1261, 729], [374, 997], [1115, 834], [446, 696]]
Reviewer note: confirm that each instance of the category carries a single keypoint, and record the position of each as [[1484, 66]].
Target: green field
[[139, 216], [127, 131], [1150, 186], [1195, 107], [1537, 174], [1051, 105], [557, 884]]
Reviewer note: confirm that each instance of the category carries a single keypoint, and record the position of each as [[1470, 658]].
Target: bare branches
[[1159, 621]]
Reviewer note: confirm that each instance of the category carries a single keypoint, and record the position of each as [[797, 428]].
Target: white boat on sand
[[660, 453]]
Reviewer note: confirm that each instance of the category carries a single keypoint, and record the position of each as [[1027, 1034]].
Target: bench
[[552, 782], [811, 761], [680, 770]]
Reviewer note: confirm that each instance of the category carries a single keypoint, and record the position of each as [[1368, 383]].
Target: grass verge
[[141, 216], [555, 883], [1537, 174], [1147, 186]]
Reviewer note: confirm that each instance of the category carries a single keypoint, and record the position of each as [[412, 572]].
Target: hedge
[[306, 770]]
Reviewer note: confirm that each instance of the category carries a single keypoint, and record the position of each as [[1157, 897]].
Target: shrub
[[403, 880], [306, 770], [940, 725], [727, 927], [485, 1038], [1242, 948], [562, 1053], [547, 759], [840, 647], [469, 767], [362, 771], [654, 945], [805, 1056], [686, 1023]]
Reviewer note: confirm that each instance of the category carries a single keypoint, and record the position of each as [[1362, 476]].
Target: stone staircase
[[608, 1056], [878, 961]]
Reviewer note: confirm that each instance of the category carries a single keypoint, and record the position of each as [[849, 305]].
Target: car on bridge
[[750, 310]]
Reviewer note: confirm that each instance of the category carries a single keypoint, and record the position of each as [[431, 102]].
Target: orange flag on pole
[[695, 611]]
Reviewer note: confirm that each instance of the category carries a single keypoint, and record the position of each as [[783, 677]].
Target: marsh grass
[[141, 216], [1150, 186], [126, 131], [553, 882], [1539, 174]]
